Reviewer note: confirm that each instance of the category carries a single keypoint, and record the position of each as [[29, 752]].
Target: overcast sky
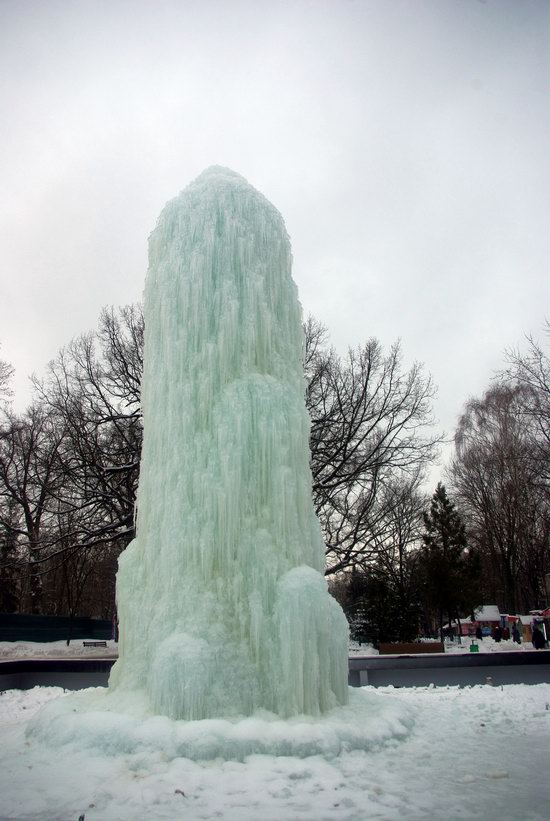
[[405, 143]]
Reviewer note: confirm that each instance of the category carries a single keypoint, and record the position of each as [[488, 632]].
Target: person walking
[[538, 639]]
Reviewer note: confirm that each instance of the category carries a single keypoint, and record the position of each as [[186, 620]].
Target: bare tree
[[6, 373], [30, 476], [10, 555], [69, 465], [381, 595], [399, 535], [495, 477], [94, 387], [530, 371], [371, 423]]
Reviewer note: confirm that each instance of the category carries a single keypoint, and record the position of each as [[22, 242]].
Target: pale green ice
[[222, 602]]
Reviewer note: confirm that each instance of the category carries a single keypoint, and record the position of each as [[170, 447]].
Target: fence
[[25, 627]]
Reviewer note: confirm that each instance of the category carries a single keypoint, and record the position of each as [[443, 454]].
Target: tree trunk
[[35, 584]]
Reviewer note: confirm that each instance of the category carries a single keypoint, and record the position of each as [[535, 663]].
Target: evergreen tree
[[377, 610], [392, 617], [450, 571]]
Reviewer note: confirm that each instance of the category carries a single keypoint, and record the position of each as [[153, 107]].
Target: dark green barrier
[[24, 627]]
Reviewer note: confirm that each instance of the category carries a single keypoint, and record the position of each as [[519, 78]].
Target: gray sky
[[405, 142]]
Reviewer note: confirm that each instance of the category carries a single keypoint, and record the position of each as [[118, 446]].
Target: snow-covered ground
[[54, 649], [486, 645], [489, 645], [472, 753]]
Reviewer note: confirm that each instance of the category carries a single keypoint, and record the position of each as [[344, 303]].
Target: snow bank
[[95, 719], [488, 645], [55, 649]]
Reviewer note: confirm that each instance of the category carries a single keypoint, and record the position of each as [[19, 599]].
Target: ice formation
[[223, 606]]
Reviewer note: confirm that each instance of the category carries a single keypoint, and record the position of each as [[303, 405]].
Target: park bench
[[411, 647], [94, 643]]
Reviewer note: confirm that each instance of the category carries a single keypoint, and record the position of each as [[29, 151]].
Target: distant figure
[[506, 633], [538, 639], [497, 633], [515, 634], [479, 632]]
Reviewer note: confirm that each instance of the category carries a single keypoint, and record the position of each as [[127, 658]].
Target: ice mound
[[223, 606], [92, 719]]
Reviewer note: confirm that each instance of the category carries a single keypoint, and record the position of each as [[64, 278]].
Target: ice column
[[222, 602]]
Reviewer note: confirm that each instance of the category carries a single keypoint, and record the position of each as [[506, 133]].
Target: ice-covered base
[[114, 725]]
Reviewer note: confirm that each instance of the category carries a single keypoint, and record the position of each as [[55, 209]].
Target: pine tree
[[450, 571]]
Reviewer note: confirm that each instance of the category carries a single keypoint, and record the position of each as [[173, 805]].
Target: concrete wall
[[441, 670]]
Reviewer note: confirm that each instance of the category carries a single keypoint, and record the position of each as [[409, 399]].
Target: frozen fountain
[[221, 597], [230, 643]]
